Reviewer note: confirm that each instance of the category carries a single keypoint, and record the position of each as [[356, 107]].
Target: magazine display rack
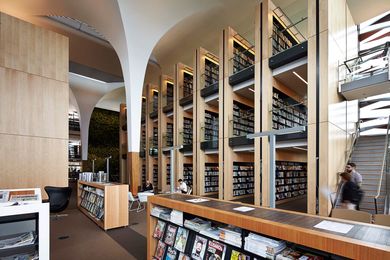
[[104, 203], [24, 231], [263, 232]]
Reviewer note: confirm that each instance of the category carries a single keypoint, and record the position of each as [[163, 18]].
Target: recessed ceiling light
[[296, 74]]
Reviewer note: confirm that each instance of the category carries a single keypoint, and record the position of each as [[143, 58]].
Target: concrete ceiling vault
[[169, 30]]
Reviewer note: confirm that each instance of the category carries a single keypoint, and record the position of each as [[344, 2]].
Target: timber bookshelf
[[185, 132], [207, 74], [106, 204]]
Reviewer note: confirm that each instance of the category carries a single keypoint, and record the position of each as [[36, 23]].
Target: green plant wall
[[104, 141]]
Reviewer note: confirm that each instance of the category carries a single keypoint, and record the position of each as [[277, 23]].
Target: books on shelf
[[242, 57], [199, 248], [211, 126], [197, 224], [187, 84], [215, 250], [23, 239], [159, 229], [170, 235], [187, 131], [211, 179], [160, 250], [243, 119], [187, 173], [263, 246], [181, 239], [243, 178], [211, 73]]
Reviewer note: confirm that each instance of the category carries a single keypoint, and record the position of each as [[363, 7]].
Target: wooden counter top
[[99, 185], [363, 241]]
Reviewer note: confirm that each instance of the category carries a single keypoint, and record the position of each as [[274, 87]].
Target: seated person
[[148, 186], [182, 186]]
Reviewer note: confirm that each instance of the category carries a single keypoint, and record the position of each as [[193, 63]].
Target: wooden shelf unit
[[166, 128], [112, 201], [185, 131], [295, 228], [238, 111]]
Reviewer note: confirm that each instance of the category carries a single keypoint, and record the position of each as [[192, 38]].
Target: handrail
[[383, 166], [356, 134]]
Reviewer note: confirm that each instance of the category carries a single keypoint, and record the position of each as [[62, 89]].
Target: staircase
[[368, 157]]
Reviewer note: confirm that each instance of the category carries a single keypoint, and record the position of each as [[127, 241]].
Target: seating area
[[361, 216]]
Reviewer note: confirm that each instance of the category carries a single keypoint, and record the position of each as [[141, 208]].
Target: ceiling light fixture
[[296, 74], [300, 148], [85, 77], [251, 89]]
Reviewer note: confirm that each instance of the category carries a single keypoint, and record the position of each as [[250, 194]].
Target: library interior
[[194, 129]]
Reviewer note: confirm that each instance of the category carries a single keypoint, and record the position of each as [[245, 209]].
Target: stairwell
[[368, 157]]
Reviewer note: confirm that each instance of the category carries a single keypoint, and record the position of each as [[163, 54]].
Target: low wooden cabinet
[[104, 203], [362, 241]]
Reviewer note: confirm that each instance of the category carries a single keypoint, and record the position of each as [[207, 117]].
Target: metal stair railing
[[348, 156], [385, 168]]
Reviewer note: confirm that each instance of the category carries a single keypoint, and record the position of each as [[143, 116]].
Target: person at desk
[[148, 186], [182, 186]]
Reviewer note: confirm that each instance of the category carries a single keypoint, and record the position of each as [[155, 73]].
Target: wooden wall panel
[[34, 101], [32, 49], [33, 105], [33, 162]]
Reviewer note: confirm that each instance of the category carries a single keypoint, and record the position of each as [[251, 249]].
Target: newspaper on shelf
[[27, 238], [177, 217], [263, 246], [161, 212], [197, 224], [12, 197], [231, 235]]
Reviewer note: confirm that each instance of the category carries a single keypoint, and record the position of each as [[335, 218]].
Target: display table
[[104, 203], [362, 241]]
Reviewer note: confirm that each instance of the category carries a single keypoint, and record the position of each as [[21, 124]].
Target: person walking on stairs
[[355, 177]]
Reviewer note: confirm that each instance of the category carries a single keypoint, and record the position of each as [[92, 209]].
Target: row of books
[[169, 135], [243, 178], [155, 175], [168, 169], [155, 102], [187, 84], [187, 131], [243, 119], [211, 72], [211, 180], [143, 173], [291, 179], [169, 93], [242, 58], [211, 128], [287, 112], [188, 174]]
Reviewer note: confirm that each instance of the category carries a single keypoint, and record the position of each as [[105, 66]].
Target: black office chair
[[59, 198]]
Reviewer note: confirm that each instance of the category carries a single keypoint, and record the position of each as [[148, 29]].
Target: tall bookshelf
[[290, 180], [166, 128], [124, 175], [238, 110], [185, 132], [208, 79], [153, 134]]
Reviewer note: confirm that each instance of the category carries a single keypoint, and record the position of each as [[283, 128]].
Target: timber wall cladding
[[34, 100]]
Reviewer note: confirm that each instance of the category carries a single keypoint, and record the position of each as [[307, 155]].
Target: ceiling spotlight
[[251, 89]]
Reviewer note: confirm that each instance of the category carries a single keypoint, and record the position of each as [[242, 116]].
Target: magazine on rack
[[184, 257], [160, 250], [215, 250], [199, 248], [181, 239], [171, 254], [170, 235], [159, 229], [236, 255]]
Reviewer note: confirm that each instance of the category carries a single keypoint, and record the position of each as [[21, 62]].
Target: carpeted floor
[[75, 236]]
